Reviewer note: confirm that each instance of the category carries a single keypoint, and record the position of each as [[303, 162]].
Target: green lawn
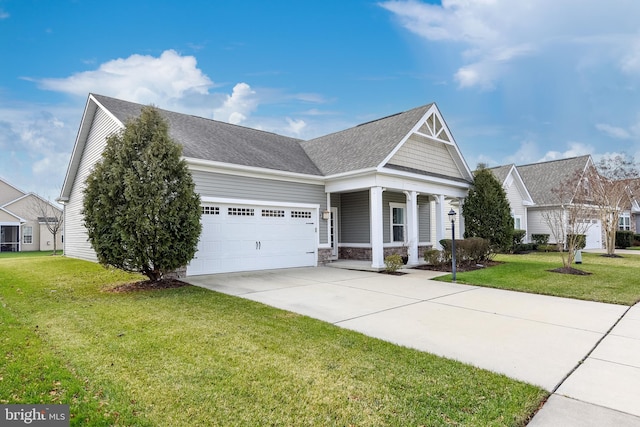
[[613, 280], [188, 356]]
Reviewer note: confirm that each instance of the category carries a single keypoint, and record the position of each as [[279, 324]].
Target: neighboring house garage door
[[239, 237], [594, 235]]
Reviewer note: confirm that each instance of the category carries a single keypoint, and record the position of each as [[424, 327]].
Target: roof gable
[[542, 178], [372, 145], [8, 192], [508, 175]]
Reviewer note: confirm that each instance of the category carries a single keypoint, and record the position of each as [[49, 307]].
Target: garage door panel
[[273, 237]]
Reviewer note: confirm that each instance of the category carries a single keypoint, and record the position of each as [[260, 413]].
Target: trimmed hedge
[[581, 242], [471, 250], [540, 239], [624, 239]]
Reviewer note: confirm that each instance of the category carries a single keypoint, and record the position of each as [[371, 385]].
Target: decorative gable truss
[[430, 149]]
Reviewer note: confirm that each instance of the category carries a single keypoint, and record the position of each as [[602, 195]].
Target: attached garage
[[255, 236]]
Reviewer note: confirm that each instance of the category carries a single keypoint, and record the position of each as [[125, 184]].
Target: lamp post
[[452, 217]]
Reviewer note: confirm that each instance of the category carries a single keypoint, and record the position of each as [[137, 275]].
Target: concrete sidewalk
[[534, 338]]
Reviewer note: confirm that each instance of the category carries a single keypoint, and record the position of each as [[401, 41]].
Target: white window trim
[[517, 217], [402, 206], [25, 235]]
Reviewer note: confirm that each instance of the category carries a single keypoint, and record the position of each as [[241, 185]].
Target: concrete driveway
[[534, 338]]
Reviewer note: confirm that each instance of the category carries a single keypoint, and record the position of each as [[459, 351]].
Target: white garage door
[[594, 235], [249, 237]]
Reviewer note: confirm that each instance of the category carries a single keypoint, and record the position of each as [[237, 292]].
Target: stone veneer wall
[[324, 256], [364, 254]]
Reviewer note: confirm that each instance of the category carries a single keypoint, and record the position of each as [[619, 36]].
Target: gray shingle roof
[[223, 142], [501, 172], [364, 146], [542, 178]]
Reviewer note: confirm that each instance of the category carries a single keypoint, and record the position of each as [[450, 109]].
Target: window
[[240, 212], [624, 222], [517, 222], [273, 213], [210, 210], [27, 235], [398, 222], [300, 214]]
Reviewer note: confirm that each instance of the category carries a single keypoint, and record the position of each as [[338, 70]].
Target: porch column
[[377, 251], [441, 217], [461, 219], [412, 226]]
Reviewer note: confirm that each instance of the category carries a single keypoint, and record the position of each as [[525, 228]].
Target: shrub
[[581, 241], [540, 239], [433, 256], [636, 240], [393, 263], [624, 239], [548, 248], [470, 250], [523, 248], [518, 236]]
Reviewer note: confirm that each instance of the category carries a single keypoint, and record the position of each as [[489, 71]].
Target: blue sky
[[517, 82]]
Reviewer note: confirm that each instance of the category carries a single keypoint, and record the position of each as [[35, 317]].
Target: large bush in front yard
[[140, 207]]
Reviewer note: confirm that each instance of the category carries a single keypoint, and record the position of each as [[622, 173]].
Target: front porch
[[366, 226]]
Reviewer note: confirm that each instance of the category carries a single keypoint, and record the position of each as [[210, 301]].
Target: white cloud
[[238, 106], [496, 33], [3, 14], [575, 149], [295, 126], [139, 78], [528, 152], [613, 131]]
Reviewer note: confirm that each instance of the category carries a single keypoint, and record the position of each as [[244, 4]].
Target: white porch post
[[377, 250], [412, 226], [461, 219], [441, 215]]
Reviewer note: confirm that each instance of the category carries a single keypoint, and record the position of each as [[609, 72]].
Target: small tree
[[572, 219], [48, 215], [486, 211], [140, 207], [612, 180]]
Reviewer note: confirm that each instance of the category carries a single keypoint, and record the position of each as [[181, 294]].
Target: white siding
[[75, 234], [426, 155], [515, 198], [536, 223]]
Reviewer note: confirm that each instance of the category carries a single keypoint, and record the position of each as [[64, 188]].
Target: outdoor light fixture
[[326, 215], [452, 216]]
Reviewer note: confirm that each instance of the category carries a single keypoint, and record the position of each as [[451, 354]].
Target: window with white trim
[[624, 221], [273, 213], [27, 235], [517, 222], [398, 221]]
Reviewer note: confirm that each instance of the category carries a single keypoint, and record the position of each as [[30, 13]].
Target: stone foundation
[[360, 254], [324, 256]]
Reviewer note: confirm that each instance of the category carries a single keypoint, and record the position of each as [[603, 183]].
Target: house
[[270, 201], [540, 181], [23, 221], [517, 194]]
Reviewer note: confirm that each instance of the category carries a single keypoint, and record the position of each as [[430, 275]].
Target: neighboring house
[[270, 201], [630, 219], [21, 228], [540, 180], [517, 195]]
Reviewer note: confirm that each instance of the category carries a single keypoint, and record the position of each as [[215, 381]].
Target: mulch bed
[[570, 270], [147, 285], [459, 268]]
